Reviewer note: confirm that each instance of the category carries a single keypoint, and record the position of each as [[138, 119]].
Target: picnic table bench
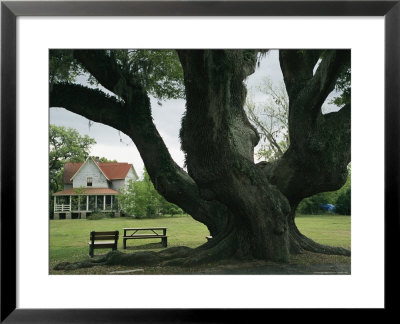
[[145, 233], [103, 240]]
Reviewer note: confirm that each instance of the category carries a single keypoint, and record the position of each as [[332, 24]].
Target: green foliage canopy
[[63, 67], [158, 71], [343, 85]]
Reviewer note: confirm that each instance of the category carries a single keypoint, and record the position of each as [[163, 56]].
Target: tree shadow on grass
[[148, 246]]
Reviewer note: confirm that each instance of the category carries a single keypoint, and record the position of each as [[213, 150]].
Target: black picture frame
[[10, 10]]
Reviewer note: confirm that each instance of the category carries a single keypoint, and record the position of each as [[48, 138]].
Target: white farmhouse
[[91, 186]]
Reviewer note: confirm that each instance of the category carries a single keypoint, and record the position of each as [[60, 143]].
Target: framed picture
[[29, 29]]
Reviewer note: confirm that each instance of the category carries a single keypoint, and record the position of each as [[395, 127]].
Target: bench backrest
[[102, 236]]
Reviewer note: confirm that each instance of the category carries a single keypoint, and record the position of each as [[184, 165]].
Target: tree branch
[[168, 178], [307, 92], [297, 66], [90, 103], [105, 68], [101, 66], [265, 132], [320, 163], [326, 76]]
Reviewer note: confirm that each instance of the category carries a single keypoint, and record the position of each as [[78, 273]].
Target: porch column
[[55, 202], [70, 203], [95, 202], [111, 199], [104, 202], [87, 202]]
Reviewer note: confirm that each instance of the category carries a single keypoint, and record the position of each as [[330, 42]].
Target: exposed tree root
[[146, 258], [221, 247], [207, 252]]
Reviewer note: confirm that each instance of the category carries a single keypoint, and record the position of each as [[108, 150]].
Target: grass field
[[326, 229], [69, 238]]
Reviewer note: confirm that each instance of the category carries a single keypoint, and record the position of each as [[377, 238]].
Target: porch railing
[[62, 208]]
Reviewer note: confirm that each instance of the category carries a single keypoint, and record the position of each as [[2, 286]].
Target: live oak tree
[[248, 208]]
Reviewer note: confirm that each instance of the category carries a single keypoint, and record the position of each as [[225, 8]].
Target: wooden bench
[[103, 240], [149, 233]]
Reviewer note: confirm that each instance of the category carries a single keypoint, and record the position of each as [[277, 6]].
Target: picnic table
[[145, 233]]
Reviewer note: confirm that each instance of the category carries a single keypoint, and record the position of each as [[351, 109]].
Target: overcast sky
[[115, 145]]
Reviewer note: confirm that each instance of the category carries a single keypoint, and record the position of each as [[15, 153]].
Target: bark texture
[[248, 208]]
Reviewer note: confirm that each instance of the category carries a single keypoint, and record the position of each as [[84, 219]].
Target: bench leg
[[91, 251], [124, 243], [164, 242]]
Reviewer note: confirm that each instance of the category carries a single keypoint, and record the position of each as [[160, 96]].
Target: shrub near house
[[141, 200]]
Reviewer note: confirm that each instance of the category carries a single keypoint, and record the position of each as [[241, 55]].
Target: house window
[[89, 181]]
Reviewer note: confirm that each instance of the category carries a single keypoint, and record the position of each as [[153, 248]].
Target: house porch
[[65, 206]]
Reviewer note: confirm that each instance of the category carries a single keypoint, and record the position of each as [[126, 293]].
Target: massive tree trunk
[[248, 208], [219, 140]]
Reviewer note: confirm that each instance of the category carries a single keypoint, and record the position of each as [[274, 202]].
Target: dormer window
[[89, 181]]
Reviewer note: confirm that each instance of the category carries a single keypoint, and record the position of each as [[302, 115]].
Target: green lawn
[[69, 238], [326, 229]]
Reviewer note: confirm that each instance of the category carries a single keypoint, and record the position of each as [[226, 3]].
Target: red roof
[[112, 170], [87, 191], [69, 170]]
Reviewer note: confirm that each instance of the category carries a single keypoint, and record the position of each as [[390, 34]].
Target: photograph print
[[200, 161]]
